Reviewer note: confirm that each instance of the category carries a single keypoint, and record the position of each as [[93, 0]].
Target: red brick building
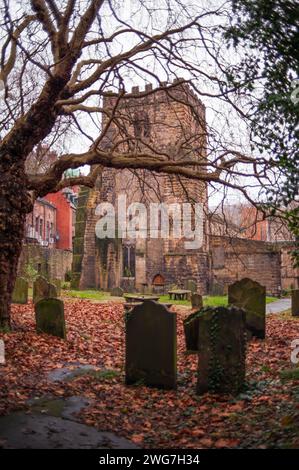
[[64, 202], [51, 223], [41, 223]]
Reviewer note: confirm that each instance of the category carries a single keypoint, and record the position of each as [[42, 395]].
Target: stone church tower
[[169, 121]]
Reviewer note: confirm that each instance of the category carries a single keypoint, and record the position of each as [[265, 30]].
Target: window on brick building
[[141, 124], [48, 231], [36, 224], [41, 225], [128, 261], [218, 257]]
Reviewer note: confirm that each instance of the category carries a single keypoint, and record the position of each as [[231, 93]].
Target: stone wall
[[235, 258], [50, 262], [289, 274]]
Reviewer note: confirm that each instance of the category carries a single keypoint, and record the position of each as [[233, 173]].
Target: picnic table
[[131, 298], [179, 294]]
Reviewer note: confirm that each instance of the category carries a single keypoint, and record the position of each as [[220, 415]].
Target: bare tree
[[60, 59]]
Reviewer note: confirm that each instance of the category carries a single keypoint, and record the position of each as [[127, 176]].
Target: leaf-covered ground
[[266, 414]]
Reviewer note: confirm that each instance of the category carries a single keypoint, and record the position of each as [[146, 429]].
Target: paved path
[[52, 423], [278, 306]]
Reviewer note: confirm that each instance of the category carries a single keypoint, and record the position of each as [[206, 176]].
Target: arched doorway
[[158, 283]]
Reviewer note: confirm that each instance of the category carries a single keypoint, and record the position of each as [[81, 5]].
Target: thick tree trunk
[[14, 204]]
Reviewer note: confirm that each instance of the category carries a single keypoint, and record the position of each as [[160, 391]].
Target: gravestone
[[191, 285], [196, 301], [191, 326], [57, 284], [151, 346], [42, 289], [20, 292], [295, 303], [52, 291], [117, 292], [221, 346], [251, 296], [49, 316], [217, 289]]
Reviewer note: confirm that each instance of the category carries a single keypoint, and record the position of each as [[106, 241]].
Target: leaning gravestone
[[217, 289], [191, 326], [52, 291], [295, 303], [117, 292], [196, 301], [57, 284], [191, 285], [40, 289], [221, 346], [20, 292], [151, 346], [43, 290], [251, 296], [49, 316]]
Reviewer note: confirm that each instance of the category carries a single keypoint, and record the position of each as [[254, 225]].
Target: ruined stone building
[[171, 122]]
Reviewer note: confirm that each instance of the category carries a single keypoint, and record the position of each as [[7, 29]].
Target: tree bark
[[14, 204]]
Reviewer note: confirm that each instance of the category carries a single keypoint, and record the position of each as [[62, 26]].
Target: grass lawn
[[104, 296]]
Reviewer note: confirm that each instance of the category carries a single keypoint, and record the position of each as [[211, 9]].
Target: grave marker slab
[[217, 289], [20, 292], [295, 303], [221, 346], [191, 285], [52, 291], [57, 284], [151, 346], [191, 326], [117, 292], [251, 296], [196, 301], [49, 316], [42, 289]]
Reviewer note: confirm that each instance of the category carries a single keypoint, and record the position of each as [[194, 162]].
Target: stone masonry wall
[[235, 258], [51, 262], [289, 274]]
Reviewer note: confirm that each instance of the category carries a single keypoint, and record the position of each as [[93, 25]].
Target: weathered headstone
[[57, 284], [217, 288], [221, 346], [20, 292], [251, 296], [191, 326], [196, 301], [151, 346], [49, 316], [191, 285], [42, 289], [117, 292], [52, 291], [295, 303]]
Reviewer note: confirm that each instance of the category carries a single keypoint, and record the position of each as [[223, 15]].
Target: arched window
[[141, 124], [128, 261]]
